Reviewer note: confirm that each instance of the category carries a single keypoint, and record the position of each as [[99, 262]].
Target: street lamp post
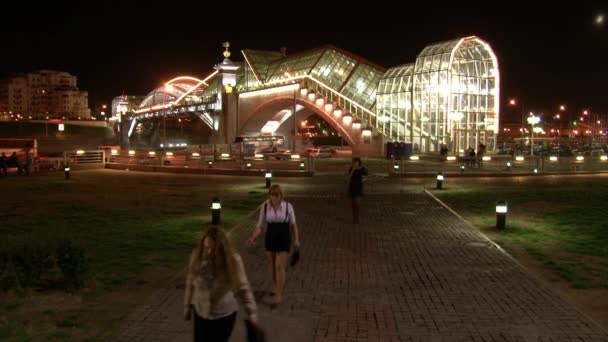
[[268, 176], [533, 120], [501, 214], [293, 144], [216, 207], [513, 102]]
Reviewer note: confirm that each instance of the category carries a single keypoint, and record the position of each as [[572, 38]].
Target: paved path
[[411, 271]]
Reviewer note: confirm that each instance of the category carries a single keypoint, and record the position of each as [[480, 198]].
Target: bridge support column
[[226, 126]]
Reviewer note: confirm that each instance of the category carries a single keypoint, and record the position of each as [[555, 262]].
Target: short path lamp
[[268, 176], [501, 214], [248, 166], [461, 168], [302, 165], [439, 180], [210, 163], [509, 165], [67, 171], [396, 167], [216, 207]]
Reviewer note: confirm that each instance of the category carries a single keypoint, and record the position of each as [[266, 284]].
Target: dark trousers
[[354, 202], [213, 330]]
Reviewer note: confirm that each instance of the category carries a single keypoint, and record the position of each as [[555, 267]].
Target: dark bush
[[73, 264], [31, 260]]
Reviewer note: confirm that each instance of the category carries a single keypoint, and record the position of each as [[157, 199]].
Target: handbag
[[254, 332], [295, 257]]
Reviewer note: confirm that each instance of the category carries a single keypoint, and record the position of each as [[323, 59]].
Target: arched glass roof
[[439, 48], [397, 79], [342, 71]]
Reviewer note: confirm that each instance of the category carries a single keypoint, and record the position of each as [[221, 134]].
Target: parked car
[[277, 153], [319, 153]]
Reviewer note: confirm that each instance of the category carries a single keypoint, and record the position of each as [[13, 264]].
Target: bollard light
[[67, 171], [268, 176], [248, 165], [302, 165], [440, 180], [396, 167], [210, 163], [216, 206], [509, 164], [501, 214], [536, 170], [461, 168]]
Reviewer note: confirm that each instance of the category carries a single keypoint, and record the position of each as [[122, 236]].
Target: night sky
[[548, 56]]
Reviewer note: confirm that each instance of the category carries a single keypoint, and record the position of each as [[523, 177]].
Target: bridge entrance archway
[[278, 107]]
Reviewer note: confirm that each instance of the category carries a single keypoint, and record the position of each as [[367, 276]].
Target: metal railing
[[83, 157], [348, 105]]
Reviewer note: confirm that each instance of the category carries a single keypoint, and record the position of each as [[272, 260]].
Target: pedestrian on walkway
[[3, 165], [355, 186], [27, 166], [481, 151], [278, 218], [216, 276]]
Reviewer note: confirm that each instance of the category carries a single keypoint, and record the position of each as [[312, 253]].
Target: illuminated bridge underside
[[179, 96], [449, 95]]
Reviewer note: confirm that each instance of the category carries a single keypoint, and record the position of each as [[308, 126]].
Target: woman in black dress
[[355, 186], [278, 218]]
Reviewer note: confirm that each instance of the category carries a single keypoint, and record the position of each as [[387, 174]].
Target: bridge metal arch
[[288, 101], [176, 89]]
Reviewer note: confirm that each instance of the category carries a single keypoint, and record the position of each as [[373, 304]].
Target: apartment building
[[45, 93]]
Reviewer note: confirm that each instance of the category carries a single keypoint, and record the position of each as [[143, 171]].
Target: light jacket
[[214, 297]]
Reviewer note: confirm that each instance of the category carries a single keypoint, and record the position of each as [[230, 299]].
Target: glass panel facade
[[250, 79], [393, 103], [261, 60], [448, 96], [362, 85], [297, 65], [473, 96], [333, 69]]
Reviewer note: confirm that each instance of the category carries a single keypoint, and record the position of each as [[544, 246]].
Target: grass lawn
[[137, 229], [564, 226]]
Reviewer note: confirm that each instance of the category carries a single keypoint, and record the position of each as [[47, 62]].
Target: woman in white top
[[215, 277], [278, 218]]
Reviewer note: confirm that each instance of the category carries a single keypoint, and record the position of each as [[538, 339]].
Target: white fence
[[83, 157]]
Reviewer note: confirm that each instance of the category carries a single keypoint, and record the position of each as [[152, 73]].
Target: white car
[[319, 153]]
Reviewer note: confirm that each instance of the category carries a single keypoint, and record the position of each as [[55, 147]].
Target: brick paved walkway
[[411, 271]]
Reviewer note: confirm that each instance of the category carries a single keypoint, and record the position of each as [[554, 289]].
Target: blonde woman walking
[[278, 219], [216, 278]]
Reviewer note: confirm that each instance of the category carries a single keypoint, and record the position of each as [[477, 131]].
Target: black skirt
[[278, 237]]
